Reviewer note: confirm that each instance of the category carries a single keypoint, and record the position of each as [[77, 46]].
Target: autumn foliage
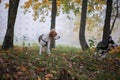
[[63, 64]]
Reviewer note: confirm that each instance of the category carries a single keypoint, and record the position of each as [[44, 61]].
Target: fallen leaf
[[64, 54], [19, 73], [47, 79], [49, 76], [38, 69], [23, 68], [54, 72], [38, 78]]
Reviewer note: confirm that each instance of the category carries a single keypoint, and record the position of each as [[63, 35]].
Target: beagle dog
[[45, 40]]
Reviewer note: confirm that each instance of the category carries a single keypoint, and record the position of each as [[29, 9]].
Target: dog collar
[[44, 41]]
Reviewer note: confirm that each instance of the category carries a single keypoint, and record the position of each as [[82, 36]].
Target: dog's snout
[[56, 37]]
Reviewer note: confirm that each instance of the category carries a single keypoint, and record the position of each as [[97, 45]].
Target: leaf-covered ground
[[65, 63]]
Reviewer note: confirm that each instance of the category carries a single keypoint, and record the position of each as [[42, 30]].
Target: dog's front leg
[[48, 47], [102, 56], [40, 50]]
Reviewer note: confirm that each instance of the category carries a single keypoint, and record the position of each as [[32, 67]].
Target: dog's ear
[[52, 33]]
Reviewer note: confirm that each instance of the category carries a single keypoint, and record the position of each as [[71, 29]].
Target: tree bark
[[106, 29], [53, 20], [8, 40], [82, 39]]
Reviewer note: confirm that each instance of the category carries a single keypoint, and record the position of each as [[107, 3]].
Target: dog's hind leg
[[48, 48], [102, 56], [40, 49]]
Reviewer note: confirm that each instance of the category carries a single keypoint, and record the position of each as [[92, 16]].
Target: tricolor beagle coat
[[45, 40]]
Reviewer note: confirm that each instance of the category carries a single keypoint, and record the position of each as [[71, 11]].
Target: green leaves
[[91, 43]]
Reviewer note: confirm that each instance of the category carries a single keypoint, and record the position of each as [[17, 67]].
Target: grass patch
[[64, 63]]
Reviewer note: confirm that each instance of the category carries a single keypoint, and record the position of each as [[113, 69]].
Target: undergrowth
[[64, 63]]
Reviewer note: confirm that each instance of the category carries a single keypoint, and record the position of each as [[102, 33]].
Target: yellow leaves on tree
[[90, 8], [76, 28], [6, 5], [46, 1], [100, 1], [58, 3], [35, 15], [78, 1], [90, 21], [27, 4], [35, 0], [36, 6], [98, 7], [103, 2]]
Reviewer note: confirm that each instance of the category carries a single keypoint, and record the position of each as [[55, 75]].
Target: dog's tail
[[40, 37]]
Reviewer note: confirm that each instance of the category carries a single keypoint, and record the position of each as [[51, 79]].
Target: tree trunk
[[117, 11], [53, 20], [82, 39], [8, 40], [106, 29]]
